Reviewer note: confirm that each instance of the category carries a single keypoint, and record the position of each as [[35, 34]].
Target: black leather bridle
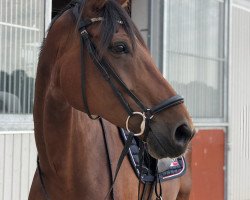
[[110, 75]]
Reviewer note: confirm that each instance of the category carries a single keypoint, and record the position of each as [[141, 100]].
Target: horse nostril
[[183, 134]]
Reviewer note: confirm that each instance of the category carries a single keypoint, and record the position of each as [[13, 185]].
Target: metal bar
[[5, 59], [149, 33], [1, 38], [240, 7], [29, 59], [212, 125], [19, 26], [196, 56], [23, 95], [35, 39], [10, 57], [47, 13], [15, 59], [20, 55], [15, 132], [226, 88]]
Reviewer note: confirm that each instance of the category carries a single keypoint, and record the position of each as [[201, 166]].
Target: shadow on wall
[[16, 92]]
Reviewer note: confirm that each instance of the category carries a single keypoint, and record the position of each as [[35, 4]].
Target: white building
[[201, 46]]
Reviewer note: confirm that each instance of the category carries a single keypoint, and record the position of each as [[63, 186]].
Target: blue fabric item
[[169, 169]]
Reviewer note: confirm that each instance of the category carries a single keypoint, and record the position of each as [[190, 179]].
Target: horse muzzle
[[169, 143]]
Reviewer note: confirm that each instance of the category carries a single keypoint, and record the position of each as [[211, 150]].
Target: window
[[21, 33], [194, 58]]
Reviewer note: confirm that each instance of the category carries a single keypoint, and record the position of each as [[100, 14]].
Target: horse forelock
[[112, 12]]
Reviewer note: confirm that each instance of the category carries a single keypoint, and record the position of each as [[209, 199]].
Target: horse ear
[[124, 3]]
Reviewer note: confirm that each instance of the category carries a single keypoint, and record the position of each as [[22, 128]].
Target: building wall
[[239, 110], [17, 165], [22, 30], [188, 40], [223, 172]]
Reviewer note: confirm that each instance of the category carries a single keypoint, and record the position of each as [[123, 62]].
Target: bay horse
[[95, 63]]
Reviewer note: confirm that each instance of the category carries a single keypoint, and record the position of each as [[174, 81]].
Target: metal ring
[[143, 123]]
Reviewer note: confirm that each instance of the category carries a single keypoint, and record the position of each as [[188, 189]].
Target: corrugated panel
[[17, 165], [239, 137]]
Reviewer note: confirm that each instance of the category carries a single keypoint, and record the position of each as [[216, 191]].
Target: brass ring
[[143, 123]]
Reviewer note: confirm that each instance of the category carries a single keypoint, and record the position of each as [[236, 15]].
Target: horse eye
[[119, 48]]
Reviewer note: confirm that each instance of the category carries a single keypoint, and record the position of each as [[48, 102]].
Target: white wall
[[18, 152], [140, 17], [239, 103], [17, 165]]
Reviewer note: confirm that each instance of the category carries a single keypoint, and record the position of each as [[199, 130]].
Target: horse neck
[[62, 133], [70, 136], [73, 150]]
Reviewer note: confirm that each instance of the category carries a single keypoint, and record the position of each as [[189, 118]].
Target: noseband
[[110, 75]]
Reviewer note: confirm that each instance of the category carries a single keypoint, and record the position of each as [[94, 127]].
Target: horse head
[[112, 41]]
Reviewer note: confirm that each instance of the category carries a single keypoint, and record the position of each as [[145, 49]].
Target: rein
[[110, 75]]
